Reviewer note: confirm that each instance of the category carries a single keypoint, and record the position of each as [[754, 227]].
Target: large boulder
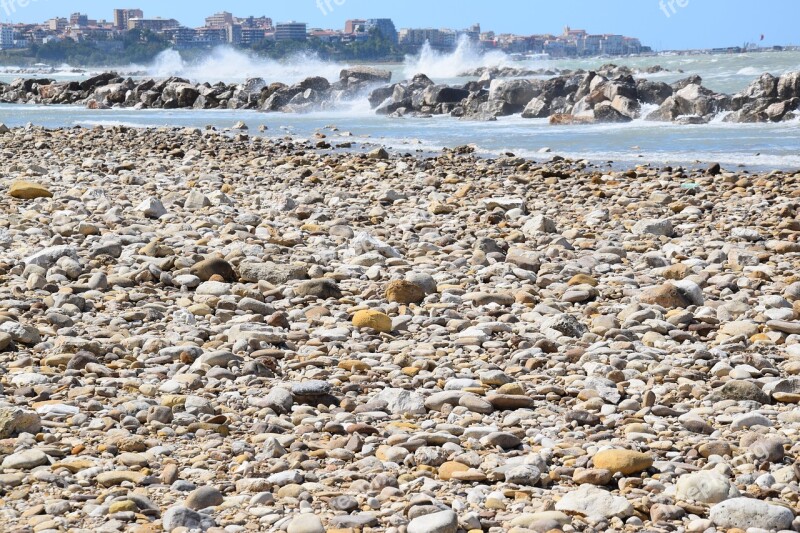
[[626, 106], [516, 93], [97, 81], [536, 108], [652, 92], [183, 94], [764, 87], [318, 83], [789, 86], [606, 112], [380, 95], [443, 94]]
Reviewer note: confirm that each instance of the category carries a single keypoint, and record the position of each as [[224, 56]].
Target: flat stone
[[25, 190], [400, 401], [441, 522], [24, 460], [589, 500], [117, 477], [705, 487], [746, 513]]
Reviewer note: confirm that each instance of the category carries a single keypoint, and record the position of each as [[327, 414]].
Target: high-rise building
[[384, 26], [155, 24], [291, 31], [181, 37], [210, 36], [219, 20], [78, 19], [252, 35], [122, 16], [234, 33], [6, 36], [58, 24]]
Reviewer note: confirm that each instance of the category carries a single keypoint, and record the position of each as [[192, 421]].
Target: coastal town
[[225, 28]]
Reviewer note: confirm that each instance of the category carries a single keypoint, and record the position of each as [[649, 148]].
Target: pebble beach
[[205, 330]]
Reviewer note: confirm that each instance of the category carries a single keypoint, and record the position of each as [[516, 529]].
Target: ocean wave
[[448, 65], [227, 64]]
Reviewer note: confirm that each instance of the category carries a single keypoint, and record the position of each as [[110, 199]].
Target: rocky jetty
[[608, 70], [608, 96], [612, 94], [108, 90], [203, 331]]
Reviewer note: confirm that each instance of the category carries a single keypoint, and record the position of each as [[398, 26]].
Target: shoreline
[[227, 333], [350, 141]]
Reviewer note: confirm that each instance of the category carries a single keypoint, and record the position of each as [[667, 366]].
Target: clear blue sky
[[699, 24]]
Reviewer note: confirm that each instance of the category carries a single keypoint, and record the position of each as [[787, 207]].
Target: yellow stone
[[463, 191], [200, 310], [626, 462], [786, 397], [514, 389], [411, 371], [123, 507], [761, 337], [173, 400], [381, 453], [74, 466], [312, 228], [25, 190], [404, 425], [447, 470], [583, 279], [57, 360], [494, 503], [353, 365], [677, 272], [373, 320]]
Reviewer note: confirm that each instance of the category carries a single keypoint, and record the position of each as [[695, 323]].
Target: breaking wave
[[442, 65], [227, 64]]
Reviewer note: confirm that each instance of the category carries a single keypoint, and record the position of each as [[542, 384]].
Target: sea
[[750, 147]]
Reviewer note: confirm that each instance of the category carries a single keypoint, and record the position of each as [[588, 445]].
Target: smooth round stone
[[203, 498]]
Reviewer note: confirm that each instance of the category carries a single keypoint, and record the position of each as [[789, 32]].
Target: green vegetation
[[137, 47], [143, 46]]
